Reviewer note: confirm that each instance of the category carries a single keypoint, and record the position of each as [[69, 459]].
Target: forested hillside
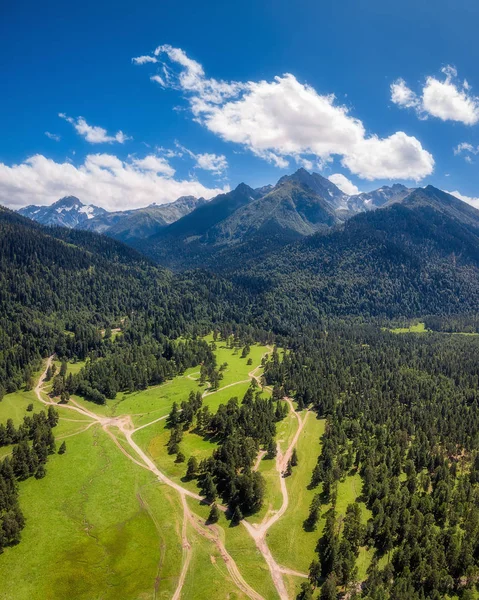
[[60, 288], [406, 260], [402, 412]]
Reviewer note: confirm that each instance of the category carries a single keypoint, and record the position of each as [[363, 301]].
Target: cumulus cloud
[[215, 163], [102, 179], [344, 184], [94, 134], [155, 164], [447, 99], [53, 136], [402, 95], [472, 201], [284, 119]]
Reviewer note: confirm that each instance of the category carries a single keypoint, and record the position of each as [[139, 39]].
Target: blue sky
[[224, 109]]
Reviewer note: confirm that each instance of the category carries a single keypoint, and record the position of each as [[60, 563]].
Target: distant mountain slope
[[66, 212], [123, 225], [202, 219], [143, 222], [290, 210], [444, 203], [321, 186], [420, 256], [378, 198]]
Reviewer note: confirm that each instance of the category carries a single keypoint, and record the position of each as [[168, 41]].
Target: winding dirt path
[[259, 458], [211, 533], [257, 532], [186, 551]]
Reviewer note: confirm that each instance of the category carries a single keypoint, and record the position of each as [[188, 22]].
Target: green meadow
[[99, 526]]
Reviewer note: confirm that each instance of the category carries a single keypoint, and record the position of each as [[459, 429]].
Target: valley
[[115, 443], [291, 412]]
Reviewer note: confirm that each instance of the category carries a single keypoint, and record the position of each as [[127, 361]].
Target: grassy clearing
[[415, 328], [214, 399], [273, 497], [103, 527], [207, 577], [66, 429], [285, 430], [14, 406], [5, 451], [153, 440], [243, 551], [146, 405], [98, 526], [237, 369], [291, 545], [75, 367]]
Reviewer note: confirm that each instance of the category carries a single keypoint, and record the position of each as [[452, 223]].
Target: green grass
[[421, 328], [415, 328], [237, 369], [273, 497], [243, 550], [97, 526], [288, 541], [153, 440], [75, 367], [285, 430], [14, 406], [5, 451], [207, 577], [101, 527], [348, 491]]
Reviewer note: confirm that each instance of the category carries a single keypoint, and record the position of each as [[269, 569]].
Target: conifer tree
[[237, 516], [192, 468], [214, 515], [294, 458]]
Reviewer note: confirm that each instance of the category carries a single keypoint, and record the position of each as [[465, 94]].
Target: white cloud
[[153, 163], [92, 133], [53, 136], [212, 162], [284, 119], [466, 149], [447, 99], [472, 201], [141, 60], [402, 95], [103, 179], [344, 184], [216, 163]]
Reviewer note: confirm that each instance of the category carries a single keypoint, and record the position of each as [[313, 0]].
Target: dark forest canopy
[[403, 412]]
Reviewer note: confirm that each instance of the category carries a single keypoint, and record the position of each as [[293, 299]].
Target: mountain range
[[299, 204], [393, 251], [122, 225], [302, 249], [66, 212]]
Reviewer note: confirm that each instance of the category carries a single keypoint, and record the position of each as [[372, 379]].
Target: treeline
[[403, 412], [127, 365], [60, 288], [34, 442], [467, 323]]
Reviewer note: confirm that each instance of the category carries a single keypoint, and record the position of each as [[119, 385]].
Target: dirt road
[[258, 532]]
